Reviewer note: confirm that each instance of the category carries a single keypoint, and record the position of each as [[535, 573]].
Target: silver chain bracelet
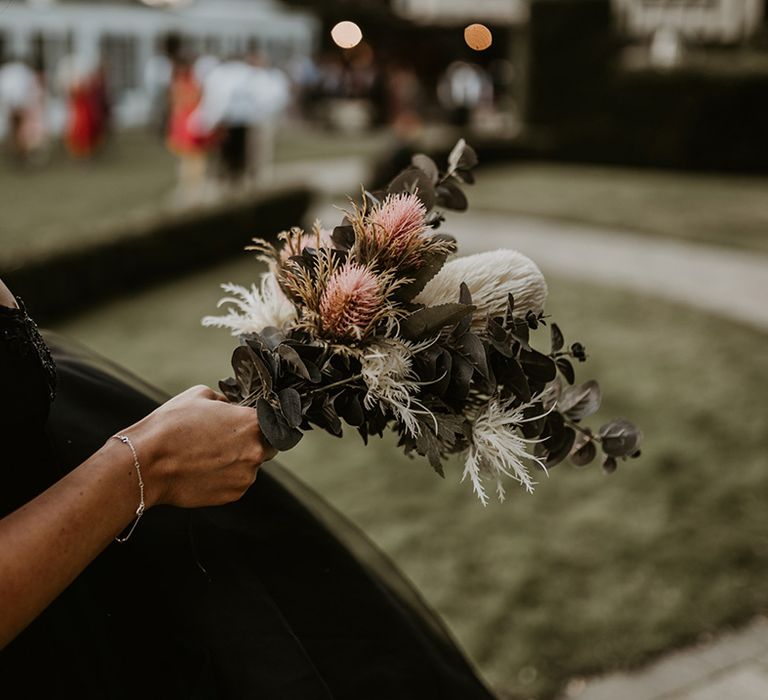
[[140, 510]]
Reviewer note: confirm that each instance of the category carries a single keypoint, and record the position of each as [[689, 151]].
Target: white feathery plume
[[252, 310], [387, 372], [490, 277], [498, 450]]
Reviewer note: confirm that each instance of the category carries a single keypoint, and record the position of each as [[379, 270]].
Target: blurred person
[[102, 104], [84, 127], [304, 76], [222, 589], [185, 139], [274, 90], [21, 101], [34, 131], [239, 97], [462, 89], [404, 102], [158, 73]]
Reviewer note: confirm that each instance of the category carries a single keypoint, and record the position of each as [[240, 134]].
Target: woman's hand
[[198, 450]]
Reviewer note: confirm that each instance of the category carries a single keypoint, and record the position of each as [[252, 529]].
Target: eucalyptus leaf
[[450, 196], [558, 341], [290, 403], [344, 236], [620, 438], [537, 365], [291, 357], [427, 166], [415, 181], [566, 369], [275, 427], [429, 321], [563, 449], [578, 402], [432, 264], [474, 350], [584, 455]]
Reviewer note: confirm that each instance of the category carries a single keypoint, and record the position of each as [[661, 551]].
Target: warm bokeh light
[[346, 35], [478, 37]]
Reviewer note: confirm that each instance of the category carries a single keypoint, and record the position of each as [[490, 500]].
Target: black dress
[[275, 597]]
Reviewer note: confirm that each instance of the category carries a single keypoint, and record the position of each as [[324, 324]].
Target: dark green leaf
[[620, 438], [511, 375], [290, 403], [566, 369], [538, 366], [557, 338], [294, 361], [415, 181], [427, 166], [431, 265], [563, 448], [450, 196], [474, 350], [584, 454], [231, 389], [462, 157], [344, 236], [461, 376], [349, 407], [429, 321], [578, 402], [275, 427], [609, 465]]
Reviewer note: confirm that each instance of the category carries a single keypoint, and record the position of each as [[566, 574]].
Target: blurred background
[[623, 146]]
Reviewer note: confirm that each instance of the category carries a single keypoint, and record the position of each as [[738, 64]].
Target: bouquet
[[370, 324]]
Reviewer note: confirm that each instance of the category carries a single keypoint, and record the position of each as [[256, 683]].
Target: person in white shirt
[[20, 93], [240, 99]]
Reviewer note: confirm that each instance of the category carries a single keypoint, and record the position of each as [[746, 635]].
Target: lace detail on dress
[[18, 329]]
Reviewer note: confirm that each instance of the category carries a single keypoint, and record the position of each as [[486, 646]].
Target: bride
[[223, 589]]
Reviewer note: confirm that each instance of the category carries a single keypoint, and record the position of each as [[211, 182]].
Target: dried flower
[[388, 373], [490, 277], [498, 450], [318, 238], [254, 309], [391, 234], [351, 302]]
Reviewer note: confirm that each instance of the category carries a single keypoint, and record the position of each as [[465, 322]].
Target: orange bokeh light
[[478, 37]]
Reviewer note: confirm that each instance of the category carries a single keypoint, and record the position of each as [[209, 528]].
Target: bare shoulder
[[6, 298]]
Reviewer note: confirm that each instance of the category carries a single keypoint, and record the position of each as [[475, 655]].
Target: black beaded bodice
[[20, 335], [27, 389]]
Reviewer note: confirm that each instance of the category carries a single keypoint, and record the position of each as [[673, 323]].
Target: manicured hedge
[[66, 282]]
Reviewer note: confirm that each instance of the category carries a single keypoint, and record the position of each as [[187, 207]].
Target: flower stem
[[341, 382]]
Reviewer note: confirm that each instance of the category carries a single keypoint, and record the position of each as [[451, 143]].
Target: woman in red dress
[[187, 143]]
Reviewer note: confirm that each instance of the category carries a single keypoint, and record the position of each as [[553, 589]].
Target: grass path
[[724, 210], [589, 574]]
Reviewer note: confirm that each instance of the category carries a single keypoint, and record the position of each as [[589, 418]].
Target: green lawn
[[720, 209], [68, 203], [589, 574]]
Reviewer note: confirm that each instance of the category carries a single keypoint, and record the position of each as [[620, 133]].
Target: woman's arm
[[195, 450]]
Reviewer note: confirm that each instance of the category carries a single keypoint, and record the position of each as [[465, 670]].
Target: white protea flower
[[490, 277], [388, 373], [498, 450], [252, 310]]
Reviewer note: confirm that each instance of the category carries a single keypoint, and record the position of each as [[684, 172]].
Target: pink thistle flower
[[396, 225], [352, 300]]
